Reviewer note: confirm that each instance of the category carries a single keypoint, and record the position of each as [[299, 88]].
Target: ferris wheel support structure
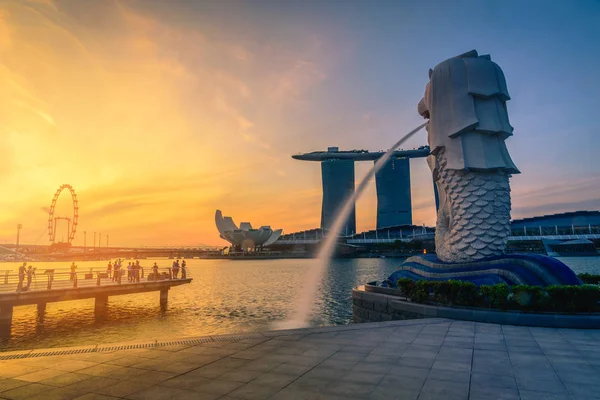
[[71, 222]]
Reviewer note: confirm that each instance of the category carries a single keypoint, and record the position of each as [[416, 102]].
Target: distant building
[[394, 204], [338, 186], [245, 237], [569, 223]]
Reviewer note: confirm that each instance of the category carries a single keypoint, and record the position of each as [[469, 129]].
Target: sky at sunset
[[160, 112]]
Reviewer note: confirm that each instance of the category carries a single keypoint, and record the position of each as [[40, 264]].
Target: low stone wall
[[369, 306]]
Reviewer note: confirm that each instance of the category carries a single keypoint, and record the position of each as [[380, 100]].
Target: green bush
[[589, 278], [406, 285], [422, 290], [495, 296], [529, 298], [557, 298]]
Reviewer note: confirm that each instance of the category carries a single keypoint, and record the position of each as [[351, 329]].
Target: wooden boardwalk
[[64, 286]]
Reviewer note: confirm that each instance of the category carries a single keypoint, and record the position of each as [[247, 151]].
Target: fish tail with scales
[[474, 220]]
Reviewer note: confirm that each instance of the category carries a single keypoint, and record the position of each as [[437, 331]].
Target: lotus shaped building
[[245, 236]]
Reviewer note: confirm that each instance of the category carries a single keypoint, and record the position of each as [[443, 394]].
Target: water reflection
[[224, 297]]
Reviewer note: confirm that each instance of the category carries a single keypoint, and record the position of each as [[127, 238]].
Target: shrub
[[422, 290], [586, 298], [561, 298], [467, 294], [495, 296], [589, 278], [530, 298], [557, 298], [406, 285]]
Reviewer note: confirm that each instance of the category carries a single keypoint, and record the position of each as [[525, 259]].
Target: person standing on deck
[[117, 271], [136, 271], [21, 277], [183, 269], [30, 274], [73, 273], [155, 271], [129, 270], [176, 269], [109, 269]]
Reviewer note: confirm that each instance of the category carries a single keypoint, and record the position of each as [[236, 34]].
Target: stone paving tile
[[426, 359], [123, 388], [584, 391], [217, 387], [486, 393], [536, 384], [434, 389], [415, 362], [529, 395], [252, 391], [40, 375], [8, 384], [101, 370], [376, 368], [366, 378], [185, 381], [293, 369], [14, 370], [163, 393], [94, 383], [452, 365], [95, 396], [402, 370], [399, 382], [325, 373], [154, 376], [26, 391], [453, 376], [491, 380], [352, 389], [65, 379], [63, 393]]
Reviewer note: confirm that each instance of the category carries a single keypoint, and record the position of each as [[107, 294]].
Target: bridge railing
[[65, 278]]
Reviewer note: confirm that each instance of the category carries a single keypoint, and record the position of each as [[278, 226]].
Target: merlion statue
[[465, 102]]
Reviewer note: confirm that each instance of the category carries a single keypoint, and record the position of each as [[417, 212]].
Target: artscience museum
[[245, 237]]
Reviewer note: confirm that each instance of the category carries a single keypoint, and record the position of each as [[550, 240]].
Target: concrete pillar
[[164, 296], [6, 313], [100, 304], [41, 308]]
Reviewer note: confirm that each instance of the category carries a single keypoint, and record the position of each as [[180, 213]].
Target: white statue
[[465, 101]]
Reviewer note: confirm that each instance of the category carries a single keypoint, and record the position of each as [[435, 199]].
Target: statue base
[[513, 269]]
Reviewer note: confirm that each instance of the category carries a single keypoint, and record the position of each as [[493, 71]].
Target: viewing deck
[[61, 285], [360, 155]]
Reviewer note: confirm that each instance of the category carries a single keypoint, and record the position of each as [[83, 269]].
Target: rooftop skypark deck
[[359, 155]]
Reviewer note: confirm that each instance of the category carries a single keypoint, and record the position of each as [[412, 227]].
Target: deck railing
[[65, 278]]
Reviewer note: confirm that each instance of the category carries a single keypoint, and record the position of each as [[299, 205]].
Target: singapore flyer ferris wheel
[[71, 220]]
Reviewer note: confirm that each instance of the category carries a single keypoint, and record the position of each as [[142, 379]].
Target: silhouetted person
[[30, 275], [129, 272], [73, 273], [109, 269], [136, 271], [117, 272], [155, 271], [183, 269], [175, 269], [21, 277]]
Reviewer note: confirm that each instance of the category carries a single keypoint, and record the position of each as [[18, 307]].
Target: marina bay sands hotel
[[394, 205]]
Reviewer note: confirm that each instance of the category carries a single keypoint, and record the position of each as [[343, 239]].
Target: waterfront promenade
[[424, 359]]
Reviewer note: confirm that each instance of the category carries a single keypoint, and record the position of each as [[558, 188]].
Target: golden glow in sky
[[158, 115]]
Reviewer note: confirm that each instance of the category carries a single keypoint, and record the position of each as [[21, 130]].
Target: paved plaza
[[424, 359]]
